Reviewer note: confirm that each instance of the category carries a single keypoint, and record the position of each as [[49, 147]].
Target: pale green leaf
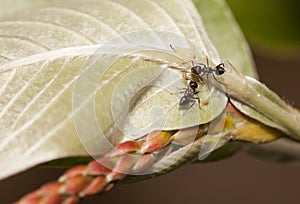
[[43, 52], [10, 7], [131, 83]]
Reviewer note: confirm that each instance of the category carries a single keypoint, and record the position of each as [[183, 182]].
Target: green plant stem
[[251, 92]]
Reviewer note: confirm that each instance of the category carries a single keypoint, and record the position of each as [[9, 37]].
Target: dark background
[[239, 179]]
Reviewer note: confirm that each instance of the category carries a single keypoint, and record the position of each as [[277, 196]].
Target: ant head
[[196, 69], [220, 69], [193, 85]]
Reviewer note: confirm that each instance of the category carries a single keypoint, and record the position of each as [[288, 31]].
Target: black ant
[[189, 95], [201, 69], [197, 71]]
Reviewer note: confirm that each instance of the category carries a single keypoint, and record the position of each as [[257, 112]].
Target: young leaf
[[43, 51]]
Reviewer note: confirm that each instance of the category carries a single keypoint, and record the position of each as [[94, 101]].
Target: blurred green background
[[271, 26]]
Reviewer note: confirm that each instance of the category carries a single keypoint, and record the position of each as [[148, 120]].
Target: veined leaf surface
[[43, 51]]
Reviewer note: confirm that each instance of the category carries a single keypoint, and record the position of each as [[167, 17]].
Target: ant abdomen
[[184, 101]]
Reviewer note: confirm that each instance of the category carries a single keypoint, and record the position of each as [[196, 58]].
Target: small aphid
[[205, 102]]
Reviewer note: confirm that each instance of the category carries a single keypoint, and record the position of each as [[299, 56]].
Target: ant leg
[[198, 100], [184, 76], [193, 55], [219, 81], [184, 90], [207, 62], [202, 64], [208, 84], [192, 76], [174, 50], [186, 62], [191, 105], [200, 79], [180, 92], [216, 79]]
